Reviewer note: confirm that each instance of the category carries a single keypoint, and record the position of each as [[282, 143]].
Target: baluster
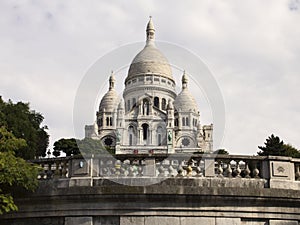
[[131, 170], [104, 172], [179, 171], [43, 174], [140, 171], [122, 171], [219, 170], [199, 171], [110, 168], [228, 170], [189, 171], [56, 170], [161, 170], [238, 169], [49, 171], [255, 171], [247, 171], [117, 168], [171, 171], [64, 171]]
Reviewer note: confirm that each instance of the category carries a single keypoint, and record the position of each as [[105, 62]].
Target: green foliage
[[92, 146], [221, 152], [15, 172], [68, 146], [85, 146], [275, 146], [26, 124]]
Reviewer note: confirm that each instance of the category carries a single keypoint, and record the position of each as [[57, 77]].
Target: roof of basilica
[[150, 60]]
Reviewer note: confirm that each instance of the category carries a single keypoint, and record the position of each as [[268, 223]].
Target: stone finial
[[184, 80], [112, 81], [150, 31]]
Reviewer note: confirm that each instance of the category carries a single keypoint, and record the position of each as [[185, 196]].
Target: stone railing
[[279, 172], [53, 168]]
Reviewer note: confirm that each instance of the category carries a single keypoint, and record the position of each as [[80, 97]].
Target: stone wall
[[216, 201]]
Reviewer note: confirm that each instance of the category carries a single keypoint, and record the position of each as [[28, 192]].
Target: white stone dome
[[185, 101], [150, 61], [110, 101]]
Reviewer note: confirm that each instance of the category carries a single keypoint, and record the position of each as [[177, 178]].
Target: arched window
[[159, 139], [107, 121], [145, 107], [145, 131], [183, 121], [176, 122], [110, 121], [156, 102], [130, 132], [163, 104], [130, 139], [159, 136], [187, 121]]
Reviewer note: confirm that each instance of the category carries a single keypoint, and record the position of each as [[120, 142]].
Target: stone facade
[[151, 117]]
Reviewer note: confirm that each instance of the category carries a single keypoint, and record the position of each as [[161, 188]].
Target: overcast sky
[[251, 46]]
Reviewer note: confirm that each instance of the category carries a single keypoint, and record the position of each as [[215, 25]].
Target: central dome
[[150, 60]]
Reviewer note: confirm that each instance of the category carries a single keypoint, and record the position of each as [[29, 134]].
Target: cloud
[[252, 48]]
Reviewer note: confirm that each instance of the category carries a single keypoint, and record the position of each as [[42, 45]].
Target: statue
[[169, 136]]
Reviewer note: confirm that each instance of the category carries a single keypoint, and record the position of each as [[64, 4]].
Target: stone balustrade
[[159, 189], [53, 168], [279, 172]]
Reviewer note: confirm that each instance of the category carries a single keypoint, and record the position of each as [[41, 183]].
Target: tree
[[85, 146], [15, 172], [26, 124], [221, 152], [92, 146], [68, 146], [275, 146]]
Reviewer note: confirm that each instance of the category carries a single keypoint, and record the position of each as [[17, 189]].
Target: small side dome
[[184, 101], [110, 100]]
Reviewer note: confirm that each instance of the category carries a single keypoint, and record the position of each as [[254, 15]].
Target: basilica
[[151, 118]]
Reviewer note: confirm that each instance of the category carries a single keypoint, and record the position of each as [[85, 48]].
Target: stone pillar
[[209, 167], [149, 169], [140, 136], [280, 172]]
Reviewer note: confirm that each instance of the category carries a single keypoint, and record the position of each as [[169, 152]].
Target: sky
[[252, 48]]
